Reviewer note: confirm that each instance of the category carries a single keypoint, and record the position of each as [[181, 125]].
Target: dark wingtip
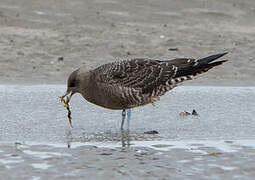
[[224, 53], [211, 58], [222, 61], [225, 60], [216, 56]]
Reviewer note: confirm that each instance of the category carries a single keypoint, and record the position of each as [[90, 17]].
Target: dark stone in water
[[151, 132], [194, 112], [185, 113], [61, 58], [106, 154], [18, 143]]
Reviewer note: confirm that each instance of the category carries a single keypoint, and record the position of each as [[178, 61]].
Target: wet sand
[[196, 160], [44, 41]]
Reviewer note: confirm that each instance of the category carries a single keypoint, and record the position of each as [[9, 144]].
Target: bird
[[124, 85]]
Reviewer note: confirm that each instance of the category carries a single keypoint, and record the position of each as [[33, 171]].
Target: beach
[[42, 42]]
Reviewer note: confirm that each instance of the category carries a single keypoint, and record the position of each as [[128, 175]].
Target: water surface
[[36, 141], [34, 113]]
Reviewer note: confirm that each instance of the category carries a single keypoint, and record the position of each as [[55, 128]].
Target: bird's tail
[[204, 64], [188, 68]]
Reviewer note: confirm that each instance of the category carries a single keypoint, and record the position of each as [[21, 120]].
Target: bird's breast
[[102, 97]]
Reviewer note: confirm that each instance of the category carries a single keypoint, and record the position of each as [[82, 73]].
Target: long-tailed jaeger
[[123, 85]]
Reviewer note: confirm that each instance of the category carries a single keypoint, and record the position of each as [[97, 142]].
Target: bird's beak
[[68, 93]]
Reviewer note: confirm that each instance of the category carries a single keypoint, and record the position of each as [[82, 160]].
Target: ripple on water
[[42, 166]]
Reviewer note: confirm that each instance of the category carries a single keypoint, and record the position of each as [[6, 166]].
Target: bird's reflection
[[125, 139], [69, 138], [123, 136]]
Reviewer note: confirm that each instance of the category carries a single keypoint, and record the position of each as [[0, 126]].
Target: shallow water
[[34, 113], [35, 135]]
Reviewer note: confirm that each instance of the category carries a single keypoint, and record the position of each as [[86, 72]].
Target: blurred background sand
[[42, 42]]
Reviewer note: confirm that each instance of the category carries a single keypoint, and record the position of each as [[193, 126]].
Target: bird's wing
[[154, 77], [143, 74]]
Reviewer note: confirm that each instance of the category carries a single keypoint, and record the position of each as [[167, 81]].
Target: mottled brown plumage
[[130, 83]]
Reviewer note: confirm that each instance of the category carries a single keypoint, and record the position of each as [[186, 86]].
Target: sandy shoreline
[[42, 42]]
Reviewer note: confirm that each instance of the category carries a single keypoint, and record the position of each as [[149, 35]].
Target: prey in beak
[[66, 99]]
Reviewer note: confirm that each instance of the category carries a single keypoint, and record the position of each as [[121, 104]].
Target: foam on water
[[44, 155], [225, 168], [42, 166]]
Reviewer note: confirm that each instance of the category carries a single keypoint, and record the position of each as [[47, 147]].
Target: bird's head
[[76, 82]]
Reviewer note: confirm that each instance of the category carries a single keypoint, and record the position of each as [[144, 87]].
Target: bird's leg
[[128, 118], [123, 119]]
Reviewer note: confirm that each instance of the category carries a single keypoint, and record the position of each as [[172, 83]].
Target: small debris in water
[[185, 113], [194, 112], [106, 154], [215, 154], [151, 132], [66, 105], [18, 143], [14, 155], [162, 145]]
